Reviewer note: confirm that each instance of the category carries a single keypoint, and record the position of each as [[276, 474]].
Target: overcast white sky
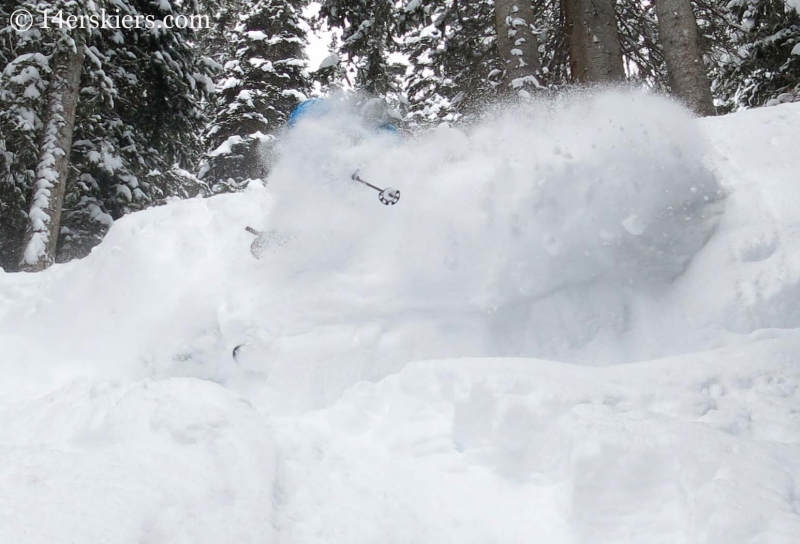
[[317, 48]]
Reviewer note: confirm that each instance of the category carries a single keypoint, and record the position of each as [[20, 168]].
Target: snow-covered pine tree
[[23, 82], [215, 43], [137, 122], [260, 86], [140, 120], [368, 30], [757, 61], [455, 63], [65, 50]]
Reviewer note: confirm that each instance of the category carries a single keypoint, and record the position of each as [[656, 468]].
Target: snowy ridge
[[522, 451], [391, 383]]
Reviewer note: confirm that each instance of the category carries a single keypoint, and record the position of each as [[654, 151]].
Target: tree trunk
[[688, 79], [594, 48], [518, 45], [52, 169]]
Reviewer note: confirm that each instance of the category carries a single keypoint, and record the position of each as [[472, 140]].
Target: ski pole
[[388, 196]]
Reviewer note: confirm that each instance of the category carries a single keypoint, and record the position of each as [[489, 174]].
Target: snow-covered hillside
[[578, 325]]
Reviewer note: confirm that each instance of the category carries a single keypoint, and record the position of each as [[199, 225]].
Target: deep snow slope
[[578, 325], [702, 448]]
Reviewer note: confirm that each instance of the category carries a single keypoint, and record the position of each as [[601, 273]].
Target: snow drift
[[595, 229], [179, 460], [697, 449]]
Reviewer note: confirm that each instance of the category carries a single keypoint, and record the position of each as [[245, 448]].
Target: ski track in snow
[[579, 325]]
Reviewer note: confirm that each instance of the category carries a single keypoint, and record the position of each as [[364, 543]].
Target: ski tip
[[235, 352]]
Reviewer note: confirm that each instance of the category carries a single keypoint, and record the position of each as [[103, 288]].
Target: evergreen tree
[[140, 120], [757, 60], [260, 86], [456, 65], [368, 31], [136, 129], [52, 169], [40, 87], [23, 83]]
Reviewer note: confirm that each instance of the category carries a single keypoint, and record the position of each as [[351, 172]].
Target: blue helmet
[[375, 112], [316, 107]]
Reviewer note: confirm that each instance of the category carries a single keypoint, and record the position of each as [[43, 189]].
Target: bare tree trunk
[[52, 170], [594, 48], [680, 39], [518, 44]]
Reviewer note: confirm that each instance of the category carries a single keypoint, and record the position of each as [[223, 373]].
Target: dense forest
[[99, 121]]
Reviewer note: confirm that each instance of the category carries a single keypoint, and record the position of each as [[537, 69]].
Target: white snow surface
[[578, 325]]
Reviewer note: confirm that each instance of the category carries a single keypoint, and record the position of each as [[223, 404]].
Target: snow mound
[[697, 449], [595, 229], [180, 460], [756, 266]]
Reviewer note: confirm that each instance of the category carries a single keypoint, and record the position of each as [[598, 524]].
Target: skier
[[374, 112], [375, 115]]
